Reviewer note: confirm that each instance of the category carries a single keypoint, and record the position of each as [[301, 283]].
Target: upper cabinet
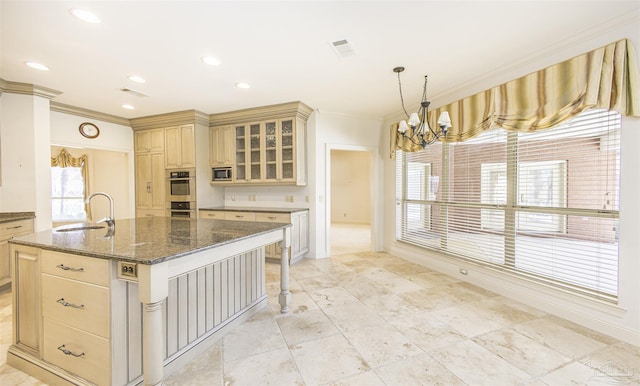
[[221, 149], [179, 148], [267, 144], [148, 141]]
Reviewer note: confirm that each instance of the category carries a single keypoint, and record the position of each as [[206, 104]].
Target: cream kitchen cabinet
[[179, 147], [221, 146], [150, 182], [147, 141], [9, 230], [299, 218], [269, 144]]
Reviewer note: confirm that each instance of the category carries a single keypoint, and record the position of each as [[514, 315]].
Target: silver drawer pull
[[67, 304], [65, 268], [272, 217], [239, 216], [67, 352], [15, 227]]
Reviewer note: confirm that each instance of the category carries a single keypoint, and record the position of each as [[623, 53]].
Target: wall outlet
[[128, 269]]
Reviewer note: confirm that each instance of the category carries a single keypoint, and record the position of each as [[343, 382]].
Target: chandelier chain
[[401, 97]]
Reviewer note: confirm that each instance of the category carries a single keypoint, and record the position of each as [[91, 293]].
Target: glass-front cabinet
[[269, 144], [265, 151]]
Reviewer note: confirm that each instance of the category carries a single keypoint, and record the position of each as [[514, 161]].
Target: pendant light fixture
[[421, 133]]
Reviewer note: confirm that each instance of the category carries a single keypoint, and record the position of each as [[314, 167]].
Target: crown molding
[[170, 119], [27, 89], [82, 112], [283, 110]]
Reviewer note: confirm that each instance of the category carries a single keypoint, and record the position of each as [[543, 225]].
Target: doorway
[[350, 208]]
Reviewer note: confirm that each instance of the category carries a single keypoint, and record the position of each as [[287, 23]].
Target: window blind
[[541, 205]]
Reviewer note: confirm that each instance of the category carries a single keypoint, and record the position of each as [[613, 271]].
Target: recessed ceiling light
[[37, 66], [85, 15], [128, 107], [242, 85], [210, 60], [137, 79]]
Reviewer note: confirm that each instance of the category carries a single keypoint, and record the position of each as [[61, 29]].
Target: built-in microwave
[[221, 174], [181, 185]]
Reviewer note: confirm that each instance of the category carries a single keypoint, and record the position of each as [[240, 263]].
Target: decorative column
[[153, 289], [285, 296]]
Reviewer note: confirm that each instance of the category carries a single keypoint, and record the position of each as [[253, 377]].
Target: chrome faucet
[[111, 221]]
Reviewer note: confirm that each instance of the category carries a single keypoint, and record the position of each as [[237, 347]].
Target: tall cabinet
[[149, 175], [267, 144]]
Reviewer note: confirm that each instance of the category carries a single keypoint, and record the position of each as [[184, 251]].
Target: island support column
[[153, 286], [285, 297]]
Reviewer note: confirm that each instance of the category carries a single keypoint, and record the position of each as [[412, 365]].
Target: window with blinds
[[541, 205]]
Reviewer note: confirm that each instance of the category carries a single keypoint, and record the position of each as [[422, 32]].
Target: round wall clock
[[89, 130]]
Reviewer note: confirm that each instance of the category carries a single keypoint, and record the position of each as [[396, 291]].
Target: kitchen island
[[94, 305]]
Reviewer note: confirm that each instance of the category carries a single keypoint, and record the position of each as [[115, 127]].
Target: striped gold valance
[[604, 78]]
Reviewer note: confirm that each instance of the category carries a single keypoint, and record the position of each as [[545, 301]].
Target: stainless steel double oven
[[181, 193]]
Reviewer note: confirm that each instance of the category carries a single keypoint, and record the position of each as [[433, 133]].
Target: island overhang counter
[[153, 293]]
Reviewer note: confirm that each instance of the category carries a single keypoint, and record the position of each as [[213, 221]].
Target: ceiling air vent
[[343, 48], [133, 92]]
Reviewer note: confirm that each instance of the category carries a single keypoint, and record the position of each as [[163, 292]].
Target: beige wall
[[108, 172], [350, 186]]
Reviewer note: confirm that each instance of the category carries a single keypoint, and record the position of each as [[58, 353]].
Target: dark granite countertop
[[148, 240], [247, 209], [15, 216]]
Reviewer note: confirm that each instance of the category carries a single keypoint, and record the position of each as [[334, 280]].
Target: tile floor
[[366, 318]]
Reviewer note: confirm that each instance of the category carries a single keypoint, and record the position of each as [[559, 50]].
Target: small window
[[67, 194]]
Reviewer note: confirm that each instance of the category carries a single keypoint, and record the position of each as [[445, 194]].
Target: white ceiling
[[281, 48]]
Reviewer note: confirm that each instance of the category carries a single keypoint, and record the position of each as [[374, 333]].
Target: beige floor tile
[[432, 279], [315, 283], [431, 299], [522, 352], [391, 307], [380, 345], [331, 297], [327, 360], [619, 361], [418, 370], [566, 341], [427, 332], [206, 369], [369, 378], [306, 327], [352, 316], [475, 365], [576, 373], [256, 336], [269, 368]]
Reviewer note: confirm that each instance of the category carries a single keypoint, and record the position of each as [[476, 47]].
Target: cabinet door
[[287, 149], [272, 152], [187, 146], [26, 314], [256, 152], [143, 181], [5, 262], [149, 140], [157, 180], [221, 146], [172, 147], [241, 152]]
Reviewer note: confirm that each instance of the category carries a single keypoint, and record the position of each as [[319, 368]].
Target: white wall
[[622, 320], [114, 138], [26, 184]]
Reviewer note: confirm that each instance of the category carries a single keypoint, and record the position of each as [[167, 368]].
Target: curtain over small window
[[69, 187]]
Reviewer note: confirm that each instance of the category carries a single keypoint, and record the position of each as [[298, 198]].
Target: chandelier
[[421, 133]]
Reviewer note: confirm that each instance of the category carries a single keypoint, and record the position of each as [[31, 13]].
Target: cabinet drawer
[[16, 228], [274, 217], [240, 216], [87, 269], [81, 305], [87, 355], [212, 214]]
